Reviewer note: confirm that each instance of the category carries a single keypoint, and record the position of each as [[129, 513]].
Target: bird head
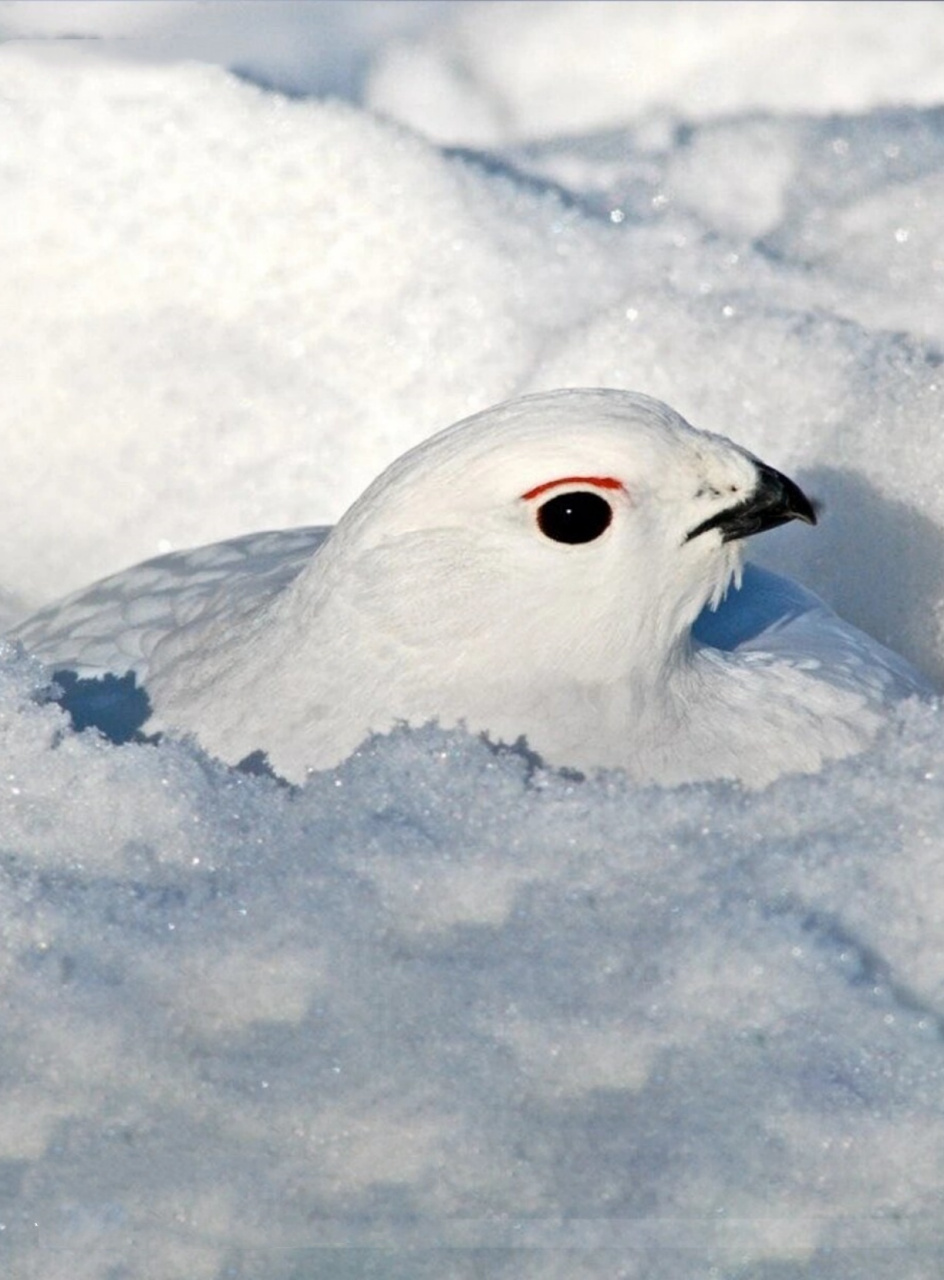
[[568, 535]]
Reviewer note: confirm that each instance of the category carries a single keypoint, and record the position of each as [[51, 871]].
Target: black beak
[[775, 501]]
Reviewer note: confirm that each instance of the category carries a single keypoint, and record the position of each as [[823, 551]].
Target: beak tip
[[799, 506], [781, 499]]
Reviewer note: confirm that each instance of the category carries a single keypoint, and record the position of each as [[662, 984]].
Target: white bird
[[534, 571]]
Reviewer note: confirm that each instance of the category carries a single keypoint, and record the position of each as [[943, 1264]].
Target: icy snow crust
[[442, 1013]]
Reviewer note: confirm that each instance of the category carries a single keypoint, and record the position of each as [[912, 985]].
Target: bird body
[[535, 571]]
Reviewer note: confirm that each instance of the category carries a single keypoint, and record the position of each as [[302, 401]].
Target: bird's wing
[[771, 614], [114, 625]]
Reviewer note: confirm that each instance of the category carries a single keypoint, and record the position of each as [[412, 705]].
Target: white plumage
[[533, 571]]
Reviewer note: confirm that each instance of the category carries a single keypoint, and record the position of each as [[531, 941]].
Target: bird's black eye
[[574, 517]]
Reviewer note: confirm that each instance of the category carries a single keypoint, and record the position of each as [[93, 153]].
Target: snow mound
[[352, 291], [440, 999]]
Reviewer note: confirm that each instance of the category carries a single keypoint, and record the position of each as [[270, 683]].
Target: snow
[[441, 1012], [546, 69]]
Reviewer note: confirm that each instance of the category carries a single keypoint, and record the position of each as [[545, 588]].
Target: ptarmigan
[[534, 571]]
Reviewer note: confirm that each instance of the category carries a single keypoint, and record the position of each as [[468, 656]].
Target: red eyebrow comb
[[598, 482]]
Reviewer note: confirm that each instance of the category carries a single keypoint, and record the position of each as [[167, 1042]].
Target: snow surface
[[441, 1013]]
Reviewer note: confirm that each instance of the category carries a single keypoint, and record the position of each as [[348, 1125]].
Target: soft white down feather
[[535, 571]]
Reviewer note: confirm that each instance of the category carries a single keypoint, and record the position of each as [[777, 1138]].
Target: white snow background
[[441, 1013]]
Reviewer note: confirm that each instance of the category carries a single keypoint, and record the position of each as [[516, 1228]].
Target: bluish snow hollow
[[442, 1013]]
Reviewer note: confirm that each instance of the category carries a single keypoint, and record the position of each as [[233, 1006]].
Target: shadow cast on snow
[[874, 559]]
